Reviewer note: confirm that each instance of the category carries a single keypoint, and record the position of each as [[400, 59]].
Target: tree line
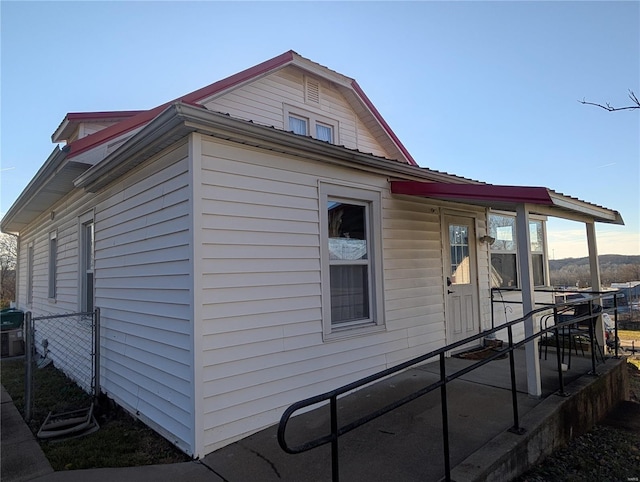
[[614, 268]]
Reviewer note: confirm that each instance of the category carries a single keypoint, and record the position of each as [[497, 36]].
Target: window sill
[[353, 331]]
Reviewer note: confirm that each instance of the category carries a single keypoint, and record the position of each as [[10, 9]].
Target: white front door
[[461, 284]]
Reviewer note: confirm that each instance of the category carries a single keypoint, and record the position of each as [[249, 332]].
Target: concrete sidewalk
[[22, 458], [405, 444]]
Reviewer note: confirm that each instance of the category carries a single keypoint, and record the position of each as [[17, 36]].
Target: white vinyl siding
[[263, 344], [143, 286], [263, 101]]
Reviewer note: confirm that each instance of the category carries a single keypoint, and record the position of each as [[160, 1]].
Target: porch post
[[595, 273], [523, 235]]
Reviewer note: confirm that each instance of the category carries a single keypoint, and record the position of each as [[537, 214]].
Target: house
[[264, 239]]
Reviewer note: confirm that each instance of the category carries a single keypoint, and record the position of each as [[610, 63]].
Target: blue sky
[[486, 90]]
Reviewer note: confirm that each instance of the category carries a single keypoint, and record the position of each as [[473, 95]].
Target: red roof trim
[[86, 143], [386, 127], [474, 192], [240, 77]]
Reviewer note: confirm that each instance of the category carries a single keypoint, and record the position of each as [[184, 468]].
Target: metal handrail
[[332, 395]]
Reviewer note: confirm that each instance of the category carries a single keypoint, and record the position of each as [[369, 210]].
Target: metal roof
[[541, 200]]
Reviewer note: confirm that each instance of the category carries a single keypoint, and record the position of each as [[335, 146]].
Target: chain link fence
[[62, 361]]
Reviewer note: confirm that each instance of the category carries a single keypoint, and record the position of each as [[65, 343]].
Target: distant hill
[[614, 268]]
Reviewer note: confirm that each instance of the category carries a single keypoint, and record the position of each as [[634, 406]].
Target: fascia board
[[321, 71], [597, 213]]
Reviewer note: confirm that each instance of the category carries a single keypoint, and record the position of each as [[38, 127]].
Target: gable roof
[[73, 119], [353, 93], [63, 171]]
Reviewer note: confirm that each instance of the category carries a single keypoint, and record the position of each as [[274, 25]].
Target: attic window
[[312, 91], [306, 123]]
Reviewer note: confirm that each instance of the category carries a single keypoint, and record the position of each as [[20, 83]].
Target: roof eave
[[53, 167], [179, 119], [378, 117], [598, 213]]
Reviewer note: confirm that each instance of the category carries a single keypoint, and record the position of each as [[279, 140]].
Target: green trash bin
[[11, 319], [12, 343]]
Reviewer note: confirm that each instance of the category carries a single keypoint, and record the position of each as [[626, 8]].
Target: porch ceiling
[[540, 200]]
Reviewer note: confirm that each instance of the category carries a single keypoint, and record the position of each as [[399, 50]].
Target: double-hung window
[[504, 261], [86, 262], [351, 260]]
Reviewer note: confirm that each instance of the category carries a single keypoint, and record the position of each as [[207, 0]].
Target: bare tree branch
[[607, 106]]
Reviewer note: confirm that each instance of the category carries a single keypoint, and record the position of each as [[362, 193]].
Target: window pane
[[88, 266], [324, 132], [347, 231], [30, 274], [53, 251], [537, 262], [89, 247], [503, 270], [298, 125], [349, 293], [89, 298], [535, 232], [503, 230], [459, 243]]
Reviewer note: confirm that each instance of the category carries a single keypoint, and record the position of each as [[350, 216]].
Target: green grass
[[121, 441]]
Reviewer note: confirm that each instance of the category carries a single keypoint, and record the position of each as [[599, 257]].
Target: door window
[[460, 272]]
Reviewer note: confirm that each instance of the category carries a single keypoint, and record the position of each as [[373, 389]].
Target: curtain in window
[[349, 293], [349, 265], [324, 133], [298, 126]]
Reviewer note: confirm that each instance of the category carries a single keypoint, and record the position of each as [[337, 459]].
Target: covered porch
[[524, 202]]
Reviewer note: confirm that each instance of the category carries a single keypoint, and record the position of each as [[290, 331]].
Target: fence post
[[96, 352], [28, 366]]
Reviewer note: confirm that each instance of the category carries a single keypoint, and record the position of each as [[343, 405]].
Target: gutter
[[180, 119], [49, 168]]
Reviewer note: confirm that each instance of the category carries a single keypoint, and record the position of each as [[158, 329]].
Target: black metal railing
[[332, 396]]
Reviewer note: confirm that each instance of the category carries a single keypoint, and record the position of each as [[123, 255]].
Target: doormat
[[480, 354]]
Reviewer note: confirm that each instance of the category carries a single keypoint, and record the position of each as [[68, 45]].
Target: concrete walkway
[[22, 458], [405, 444]]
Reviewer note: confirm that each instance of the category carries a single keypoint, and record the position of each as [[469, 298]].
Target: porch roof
[[540, 200]]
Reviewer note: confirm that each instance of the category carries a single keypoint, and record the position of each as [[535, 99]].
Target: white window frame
[[53, 262], [312, 119], [514, 252], [83, 222], [372, 202]]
